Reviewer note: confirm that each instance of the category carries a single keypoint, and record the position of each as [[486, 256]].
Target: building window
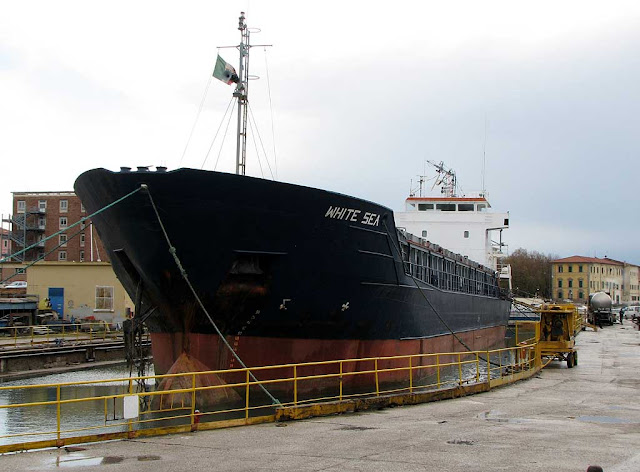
[[64, 206], [424, 233], [580, 284], [42, 205], [82, 240], [559, 293], [581, 295], [560, 269], [579, 268], [63, 222], [62, 240], [22, 205], [570, 268], [42, 223], [82, 209], [104, 298], [19, 271], [570, 283], [81, 256], [62, 255], [560, 283]]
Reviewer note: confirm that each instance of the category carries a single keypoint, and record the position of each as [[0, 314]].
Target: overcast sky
[[362, 93]]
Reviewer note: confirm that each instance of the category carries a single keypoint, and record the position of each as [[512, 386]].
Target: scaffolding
[[27, 228]]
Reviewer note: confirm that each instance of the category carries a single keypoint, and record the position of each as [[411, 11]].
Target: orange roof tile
[[591, 260]]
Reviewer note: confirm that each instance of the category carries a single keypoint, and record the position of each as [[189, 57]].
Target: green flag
[[225, 72]]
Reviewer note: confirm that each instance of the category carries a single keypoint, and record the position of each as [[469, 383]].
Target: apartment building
[[573, 278], [39, 215]]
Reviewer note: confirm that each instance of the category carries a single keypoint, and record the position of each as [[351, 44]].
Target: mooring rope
[[183, 272]]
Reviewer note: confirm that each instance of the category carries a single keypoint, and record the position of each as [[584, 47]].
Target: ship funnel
[[125, 169]]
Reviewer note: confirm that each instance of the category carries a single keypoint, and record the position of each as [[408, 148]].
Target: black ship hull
[[288, 273]]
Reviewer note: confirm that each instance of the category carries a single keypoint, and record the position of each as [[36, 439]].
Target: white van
[[632, 312]]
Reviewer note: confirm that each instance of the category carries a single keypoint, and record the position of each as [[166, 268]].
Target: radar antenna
[[445, 178]]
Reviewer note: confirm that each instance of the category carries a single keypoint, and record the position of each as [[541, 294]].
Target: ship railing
[[24, 336], [84, 411], [448, 281]]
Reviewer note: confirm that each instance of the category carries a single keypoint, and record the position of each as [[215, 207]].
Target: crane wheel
[[570, 360]]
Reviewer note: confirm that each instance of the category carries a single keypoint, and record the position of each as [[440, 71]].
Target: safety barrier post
[[488, 367], [15, 336], [246, 400], [517, 323], [106, 409], [193, 398], [130, 421], [58, 412], [477, 367], [295, 385], [341, 371], [438, 369], [459, 369], [377, 382], [410, 374]]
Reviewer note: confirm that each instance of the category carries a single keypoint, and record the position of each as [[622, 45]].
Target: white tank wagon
[[599, 309]]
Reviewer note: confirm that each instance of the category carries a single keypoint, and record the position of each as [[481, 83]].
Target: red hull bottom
[[259, 351]]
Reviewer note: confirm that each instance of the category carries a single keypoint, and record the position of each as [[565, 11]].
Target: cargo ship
[[285, 273]]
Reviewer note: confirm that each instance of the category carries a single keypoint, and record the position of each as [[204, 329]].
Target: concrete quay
[[561, 420]]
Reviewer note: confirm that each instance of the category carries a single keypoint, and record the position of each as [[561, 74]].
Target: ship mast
[[241, 92]]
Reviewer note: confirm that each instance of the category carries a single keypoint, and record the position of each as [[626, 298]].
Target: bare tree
[[531, 272]]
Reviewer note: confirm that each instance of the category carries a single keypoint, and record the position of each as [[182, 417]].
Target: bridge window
[[465, 206], [424, 233], [466, 234], [446, 206], [425, 206]]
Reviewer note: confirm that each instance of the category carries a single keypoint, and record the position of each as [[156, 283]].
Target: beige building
[[630, 284], [79, 290], [574, 278]]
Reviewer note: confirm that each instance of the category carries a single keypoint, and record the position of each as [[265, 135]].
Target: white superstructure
[[465, 225]]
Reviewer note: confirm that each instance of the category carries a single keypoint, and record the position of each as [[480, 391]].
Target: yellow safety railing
[[18, 336], [76, 412]]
